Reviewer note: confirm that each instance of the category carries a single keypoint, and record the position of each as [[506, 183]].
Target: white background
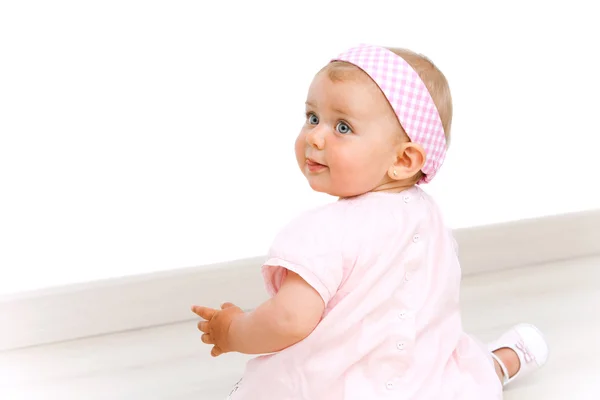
[[139, 136]]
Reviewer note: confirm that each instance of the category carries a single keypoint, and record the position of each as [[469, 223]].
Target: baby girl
[[364, 292]]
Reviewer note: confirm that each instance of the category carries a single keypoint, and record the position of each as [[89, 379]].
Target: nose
[[316, 137]]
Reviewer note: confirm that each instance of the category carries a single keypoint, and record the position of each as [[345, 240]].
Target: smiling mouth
[[314, 166]]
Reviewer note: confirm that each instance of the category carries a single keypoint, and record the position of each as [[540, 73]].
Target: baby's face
[[350, 136]]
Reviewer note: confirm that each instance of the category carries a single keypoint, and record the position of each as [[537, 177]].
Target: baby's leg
[[520, 351], [510, 359]]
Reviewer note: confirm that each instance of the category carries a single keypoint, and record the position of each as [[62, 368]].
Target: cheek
[[347, 164], [358, 164], [299, 149]]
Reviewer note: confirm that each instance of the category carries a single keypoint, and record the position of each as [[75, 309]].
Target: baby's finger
[[216, 351], [204, 312], [203, 326], [206, 338], [227, 305]]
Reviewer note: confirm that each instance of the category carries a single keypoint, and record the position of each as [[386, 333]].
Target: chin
[[317, 187], [326, 189]]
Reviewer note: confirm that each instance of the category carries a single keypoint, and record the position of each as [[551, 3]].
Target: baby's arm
[[283, 320]]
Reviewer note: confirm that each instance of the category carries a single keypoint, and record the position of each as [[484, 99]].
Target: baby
[[365, 291]]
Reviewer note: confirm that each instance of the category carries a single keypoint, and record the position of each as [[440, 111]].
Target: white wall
[[139, 135]]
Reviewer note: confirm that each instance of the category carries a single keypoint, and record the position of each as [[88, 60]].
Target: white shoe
[[530, 345]]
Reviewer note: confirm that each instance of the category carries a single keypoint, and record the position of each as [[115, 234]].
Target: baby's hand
[[217, 325]]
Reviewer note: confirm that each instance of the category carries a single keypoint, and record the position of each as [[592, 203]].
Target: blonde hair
[[432, 77]]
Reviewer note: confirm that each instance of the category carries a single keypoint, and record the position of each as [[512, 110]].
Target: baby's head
[[362, 136]]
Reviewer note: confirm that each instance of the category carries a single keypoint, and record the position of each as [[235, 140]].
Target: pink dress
[[387, 269]]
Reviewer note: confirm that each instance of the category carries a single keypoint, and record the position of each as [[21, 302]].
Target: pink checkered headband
[[408, 96]]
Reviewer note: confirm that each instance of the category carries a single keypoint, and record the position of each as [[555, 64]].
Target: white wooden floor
[[170, 362]]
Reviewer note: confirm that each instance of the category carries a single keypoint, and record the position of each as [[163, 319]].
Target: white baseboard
[[76, 311]]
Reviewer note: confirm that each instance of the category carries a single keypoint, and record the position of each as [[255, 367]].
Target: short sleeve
[[312, 247]]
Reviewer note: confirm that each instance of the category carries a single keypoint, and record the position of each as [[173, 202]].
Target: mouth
[[314, 166]]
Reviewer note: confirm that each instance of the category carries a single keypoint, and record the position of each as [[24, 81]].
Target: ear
[[410, 158]]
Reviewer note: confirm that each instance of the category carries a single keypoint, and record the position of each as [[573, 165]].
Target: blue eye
[[343, 128], [312, 119]]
